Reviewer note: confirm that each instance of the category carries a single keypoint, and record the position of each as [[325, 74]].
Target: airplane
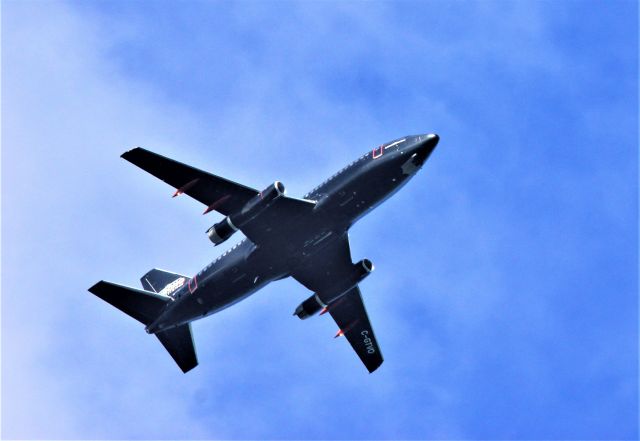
[[304, 238]]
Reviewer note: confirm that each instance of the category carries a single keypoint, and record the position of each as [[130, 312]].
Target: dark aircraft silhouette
[[306, 239]]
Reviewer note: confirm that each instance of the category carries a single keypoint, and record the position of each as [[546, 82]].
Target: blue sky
[[505, 296]]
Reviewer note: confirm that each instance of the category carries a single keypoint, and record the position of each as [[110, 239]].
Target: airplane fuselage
[[340, 201]]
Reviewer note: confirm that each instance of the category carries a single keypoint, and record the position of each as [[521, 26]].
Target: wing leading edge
[[349, 313]]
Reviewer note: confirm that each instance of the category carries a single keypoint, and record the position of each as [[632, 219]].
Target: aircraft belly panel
[[221, 289]]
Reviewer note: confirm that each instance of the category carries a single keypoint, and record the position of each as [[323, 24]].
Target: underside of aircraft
[[304, 238]]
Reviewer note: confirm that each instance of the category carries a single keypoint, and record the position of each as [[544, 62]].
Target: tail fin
[[143, 306], [179, 342], [157, 280]]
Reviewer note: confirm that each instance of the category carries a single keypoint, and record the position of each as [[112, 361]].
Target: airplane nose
[[425, 146], [429, 141]]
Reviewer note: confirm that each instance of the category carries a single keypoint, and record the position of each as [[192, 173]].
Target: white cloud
[[443, 293], [67, 118]]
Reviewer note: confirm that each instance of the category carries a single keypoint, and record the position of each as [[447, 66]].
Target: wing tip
[[186, 368], [126, 155], [95, 289], [375, 366]]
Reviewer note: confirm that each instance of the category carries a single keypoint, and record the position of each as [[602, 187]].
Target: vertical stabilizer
[[156, 280]]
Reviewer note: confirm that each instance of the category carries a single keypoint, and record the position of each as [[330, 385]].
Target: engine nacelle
[[359, 271], [259, 203], [224, 229], [309, 307], [221, 231], [319, 301]]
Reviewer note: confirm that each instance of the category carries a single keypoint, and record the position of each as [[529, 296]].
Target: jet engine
[[224, 229], [221, 231], [259, 203], [309, 307], [318, 301]]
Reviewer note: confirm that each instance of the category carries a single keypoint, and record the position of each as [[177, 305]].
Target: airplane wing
[[351, 316], [348, 311], [217, 193]]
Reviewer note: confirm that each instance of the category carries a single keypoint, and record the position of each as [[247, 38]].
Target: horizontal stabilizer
[[142, 305], [179, 342]]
